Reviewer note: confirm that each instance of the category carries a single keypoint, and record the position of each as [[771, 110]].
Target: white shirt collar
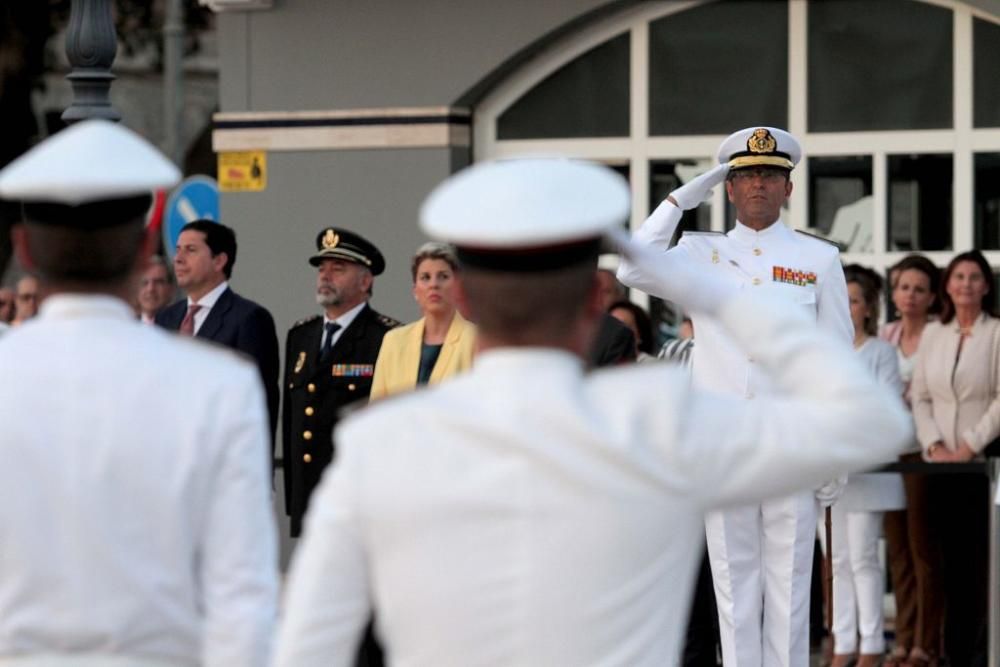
[[522, 360], [207, 301], [71, 306], [345, 319], [743, 233]]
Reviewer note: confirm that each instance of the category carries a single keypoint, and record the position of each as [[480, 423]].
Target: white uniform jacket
[[136, 523], [528, 514], [795, 266]]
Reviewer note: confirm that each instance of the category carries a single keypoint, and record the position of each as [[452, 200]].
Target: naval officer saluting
[[494, 521], [137, 527], [761, 553]]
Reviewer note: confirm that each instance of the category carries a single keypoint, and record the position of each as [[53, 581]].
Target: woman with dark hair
[[912, 549], [436, 346], [956, 407], [858, 583], [636, 319]]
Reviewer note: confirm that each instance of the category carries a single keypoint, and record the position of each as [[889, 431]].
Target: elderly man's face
[[342, 284], [155, 290]]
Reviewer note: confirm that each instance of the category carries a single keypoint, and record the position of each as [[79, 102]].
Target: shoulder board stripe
[[306, 320], [838, 246], [703, 234]]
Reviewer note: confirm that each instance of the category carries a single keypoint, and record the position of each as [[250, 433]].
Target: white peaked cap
[[89, 161], [760, 146], [526, 203]]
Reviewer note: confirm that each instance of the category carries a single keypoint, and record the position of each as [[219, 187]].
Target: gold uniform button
[[307, 435], [311, 388], [309, 411], [758, 251], [756, 281], [307, 458], [351, 387], [291, 385]]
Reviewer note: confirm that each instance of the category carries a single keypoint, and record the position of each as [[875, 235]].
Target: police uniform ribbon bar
[[353, 370]]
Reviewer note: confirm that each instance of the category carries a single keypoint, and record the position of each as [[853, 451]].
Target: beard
[[328, 295]]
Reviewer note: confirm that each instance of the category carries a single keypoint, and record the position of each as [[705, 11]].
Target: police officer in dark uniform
[[329, 360]]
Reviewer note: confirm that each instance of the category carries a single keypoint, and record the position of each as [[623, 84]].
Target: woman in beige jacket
[[956, 406], [439, 344]]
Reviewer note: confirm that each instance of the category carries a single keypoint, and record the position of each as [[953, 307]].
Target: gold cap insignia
[[761, 141], [330, 240]]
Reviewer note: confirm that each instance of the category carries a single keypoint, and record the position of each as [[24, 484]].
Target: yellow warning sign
[[242, 171]]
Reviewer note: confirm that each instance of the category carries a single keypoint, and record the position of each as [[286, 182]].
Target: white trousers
[[858, 582], [761, 558]]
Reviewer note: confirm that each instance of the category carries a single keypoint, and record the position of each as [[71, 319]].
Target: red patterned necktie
[[187, 324]]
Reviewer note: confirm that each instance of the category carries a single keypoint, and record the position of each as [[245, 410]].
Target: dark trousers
[[914, 554], [701, 643], [960, 514]]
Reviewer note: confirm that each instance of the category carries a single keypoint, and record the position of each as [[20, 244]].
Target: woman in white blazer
[[858, 582], [956, 406], [439, 344]]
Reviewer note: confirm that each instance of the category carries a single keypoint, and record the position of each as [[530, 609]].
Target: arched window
[[896, 103]]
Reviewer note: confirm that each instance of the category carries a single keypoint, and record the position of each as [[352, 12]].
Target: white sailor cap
[[760, 147], [527, 214], [92, 174]]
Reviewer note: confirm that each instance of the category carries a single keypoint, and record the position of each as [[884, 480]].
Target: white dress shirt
[[525, 513], [207, 302], [344, 321], [136, 523]]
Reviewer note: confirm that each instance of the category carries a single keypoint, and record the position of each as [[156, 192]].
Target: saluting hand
[[697, 190]]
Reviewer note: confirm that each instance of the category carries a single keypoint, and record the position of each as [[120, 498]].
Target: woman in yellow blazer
[[436, 346], [956, 407]]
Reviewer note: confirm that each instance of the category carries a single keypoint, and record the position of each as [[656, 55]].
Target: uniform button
[[291, 385], [309, 411], [307, 458], [351, 387], [307, 435], [758, 251], [756, 281], [311, 388]]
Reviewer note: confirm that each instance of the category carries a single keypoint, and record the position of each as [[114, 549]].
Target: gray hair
[[433, 250]]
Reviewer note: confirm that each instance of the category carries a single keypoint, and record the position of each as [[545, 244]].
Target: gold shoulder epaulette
[[390, 322], [838, 246], [306, 320]]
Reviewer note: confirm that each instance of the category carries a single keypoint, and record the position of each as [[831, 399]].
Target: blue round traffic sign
[[196, 198]]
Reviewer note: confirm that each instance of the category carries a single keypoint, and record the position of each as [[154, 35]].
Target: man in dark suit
[[206, 253], [329, 360]]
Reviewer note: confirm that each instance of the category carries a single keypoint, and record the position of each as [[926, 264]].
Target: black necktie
[[331, 328]]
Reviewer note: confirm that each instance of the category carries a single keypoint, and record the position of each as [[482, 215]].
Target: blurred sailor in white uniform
[[136, 527], [761, 553], [527, 513]]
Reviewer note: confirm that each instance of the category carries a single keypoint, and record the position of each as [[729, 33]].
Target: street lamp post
[[91, 46]]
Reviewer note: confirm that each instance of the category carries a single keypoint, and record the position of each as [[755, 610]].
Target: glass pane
[[986, 83], [665, 176], [588, 97], [987, 201], [840, 201], [920, 202], [879, 65], [697, 81]]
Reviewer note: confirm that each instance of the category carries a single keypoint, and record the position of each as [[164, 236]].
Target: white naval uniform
[[528, 514], [761, 554], [136, 527]]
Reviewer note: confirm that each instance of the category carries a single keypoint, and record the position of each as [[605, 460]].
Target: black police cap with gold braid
[[340, 243]]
